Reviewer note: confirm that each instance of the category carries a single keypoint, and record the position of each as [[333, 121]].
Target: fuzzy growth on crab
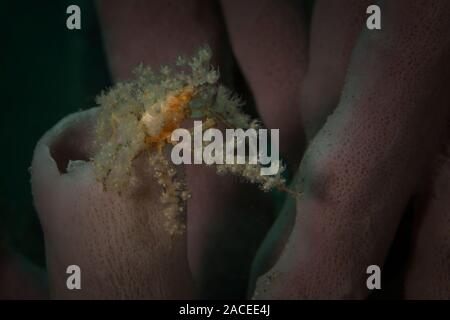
[[138, 117]]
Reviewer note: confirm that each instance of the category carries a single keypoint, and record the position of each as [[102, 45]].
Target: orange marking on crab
[[174, 111]]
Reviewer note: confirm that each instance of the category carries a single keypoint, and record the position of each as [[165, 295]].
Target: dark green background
[[46, 72]]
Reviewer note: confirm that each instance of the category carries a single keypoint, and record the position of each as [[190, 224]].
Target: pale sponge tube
[[428, 271], [116, 239]]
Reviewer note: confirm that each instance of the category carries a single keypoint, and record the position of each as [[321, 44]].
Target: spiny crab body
[[139, 116]]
